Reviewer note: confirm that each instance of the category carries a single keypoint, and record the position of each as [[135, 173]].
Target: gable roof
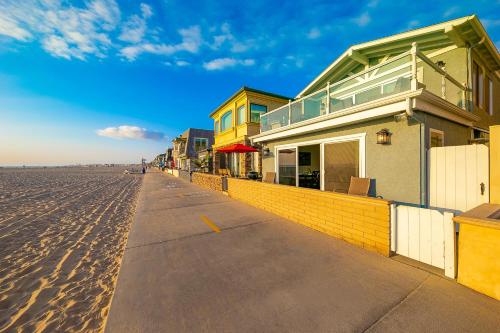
[[245, 88], [463, 31]]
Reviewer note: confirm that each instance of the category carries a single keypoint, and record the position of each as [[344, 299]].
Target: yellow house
[[235, 121]]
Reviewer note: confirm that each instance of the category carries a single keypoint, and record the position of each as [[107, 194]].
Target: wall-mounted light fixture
[[384, 137], [266, 151]]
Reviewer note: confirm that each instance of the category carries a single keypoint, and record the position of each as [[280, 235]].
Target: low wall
[[478, 260], [209, 181], [175, 172], [184, 175], [361, 221]]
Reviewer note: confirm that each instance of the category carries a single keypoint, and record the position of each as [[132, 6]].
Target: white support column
[[289, 111], [413, 52], [443, 87], [328, 97]]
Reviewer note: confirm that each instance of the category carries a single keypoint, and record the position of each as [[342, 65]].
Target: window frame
[[435, 131], [260, 112], [216, 127], [226, 114], [198, 139]]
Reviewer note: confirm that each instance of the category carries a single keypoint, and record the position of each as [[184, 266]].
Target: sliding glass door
[[287, 166], [340, 162]]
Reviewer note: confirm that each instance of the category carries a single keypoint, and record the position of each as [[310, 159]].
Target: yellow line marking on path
[[210, 223]]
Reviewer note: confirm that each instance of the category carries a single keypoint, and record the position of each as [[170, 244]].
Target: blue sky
[[109, 81]]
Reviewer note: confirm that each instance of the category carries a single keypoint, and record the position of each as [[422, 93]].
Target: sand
[[62, 236]]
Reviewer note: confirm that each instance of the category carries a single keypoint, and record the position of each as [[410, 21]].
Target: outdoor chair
[[359, 186], [269, 177]]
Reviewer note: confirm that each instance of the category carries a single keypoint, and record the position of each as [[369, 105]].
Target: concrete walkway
[[262, 273]]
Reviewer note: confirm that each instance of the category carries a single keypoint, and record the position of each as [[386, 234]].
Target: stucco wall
[[454, 134], [395, 168]]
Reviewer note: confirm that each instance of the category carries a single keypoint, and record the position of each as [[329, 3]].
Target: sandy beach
[[62, 236]]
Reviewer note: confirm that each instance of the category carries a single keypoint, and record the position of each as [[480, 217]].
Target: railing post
[[464, 97], [328, 97], [289, 111], [443, 86], [414, 49]]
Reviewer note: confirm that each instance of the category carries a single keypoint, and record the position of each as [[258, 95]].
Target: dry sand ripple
[[62, 236]]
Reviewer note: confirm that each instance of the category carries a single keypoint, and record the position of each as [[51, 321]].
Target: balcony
[[403, 73]]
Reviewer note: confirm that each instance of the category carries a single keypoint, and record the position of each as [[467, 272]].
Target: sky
[[105, 81]]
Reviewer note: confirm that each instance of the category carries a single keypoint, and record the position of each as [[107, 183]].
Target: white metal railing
[[399, 74]]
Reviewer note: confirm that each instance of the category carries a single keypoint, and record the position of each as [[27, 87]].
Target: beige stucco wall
[[495, 164], [395, 167]]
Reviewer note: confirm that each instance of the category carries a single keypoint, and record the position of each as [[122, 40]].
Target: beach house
[[235, 121], [377, 109], [187, 146]]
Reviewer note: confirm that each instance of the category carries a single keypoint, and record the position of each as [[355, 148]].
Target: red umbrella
[[237, 148]]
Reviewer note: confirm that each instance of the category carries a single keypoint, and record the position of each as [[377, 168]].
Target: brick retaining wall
[[361, 221], [209, 181]]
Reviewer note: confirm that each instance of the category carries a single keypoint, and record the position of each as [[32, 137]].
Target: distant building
[[187, 146]]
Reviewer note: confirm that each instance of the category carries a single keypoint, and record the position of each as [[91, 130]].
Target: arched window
[[226, 121], [241, 114]]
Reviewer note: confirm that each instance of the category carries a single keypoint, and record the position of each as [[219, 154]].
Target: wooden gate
[[458, 177], [426, 235]]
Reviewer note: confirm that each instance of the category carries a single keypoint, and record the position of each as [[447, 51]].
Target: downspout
[[423, 152]]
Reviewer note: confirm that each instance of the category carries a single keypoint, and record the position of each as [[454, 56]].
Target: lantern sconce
[[266, 151], [384, 137]]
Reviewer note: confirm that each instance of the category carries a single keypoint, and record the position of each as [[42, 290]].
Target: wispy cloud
[[222, 63], [451, 11], [9, 27], [363, 19], [191, 41], [314, 33], [130, 132]]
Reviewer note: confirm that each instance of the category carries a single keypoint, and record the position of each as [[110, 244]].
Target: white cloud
[[182, 63], [146, 10], [363, 19], [489, 23], [222, 63], [10, 27], [134, 29], [412, 24], [130, 132], [64, 30], [314, 33], [191, 42]]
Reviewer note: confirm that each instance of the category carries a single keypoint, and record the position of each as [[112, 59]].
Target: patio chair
[[359, 186], [269, 177]]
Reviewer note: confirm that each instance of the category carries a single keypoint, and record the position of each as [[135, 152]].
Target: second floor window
[[200, 144], [216, 127], [490, 97], [255, 111], [241, 114], [226, 121]]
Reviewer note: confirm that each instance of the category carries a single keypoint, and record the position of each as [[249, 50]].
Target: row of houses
[[373, 113]]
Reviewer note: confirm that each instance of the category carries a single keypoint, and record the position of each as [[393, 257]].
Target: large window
[[341, 162], [241, 114], [216, 127], [226, 121], [436, 138], [255, 111], [200, 144]]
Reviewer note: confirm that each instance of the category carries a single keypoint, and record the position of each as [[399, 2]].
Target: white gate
[[458, 177], [426, 235]]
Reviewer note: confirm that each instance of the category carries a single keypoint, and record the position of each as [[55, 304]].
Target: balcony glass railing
[[388, 78]]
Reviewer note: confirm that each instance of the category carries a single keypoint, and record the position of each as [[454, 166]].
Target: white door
[[458, 177], [426, 235]]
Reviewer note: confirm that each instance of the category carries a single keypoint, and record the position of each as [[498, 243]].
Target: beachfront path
[[262, 273]]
